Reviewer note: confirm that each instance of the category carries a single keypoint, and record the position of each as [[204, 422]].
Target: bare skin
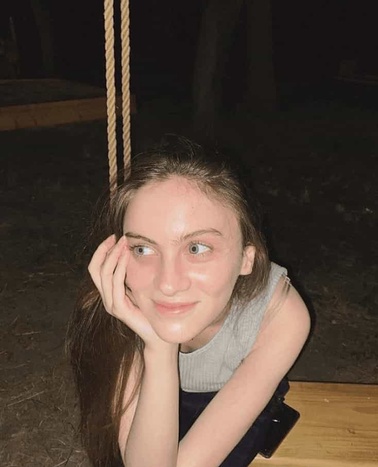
[[180, 261]]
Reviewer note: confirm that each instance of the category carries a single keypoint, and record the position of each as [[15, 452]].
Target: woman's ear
[[248, 260]]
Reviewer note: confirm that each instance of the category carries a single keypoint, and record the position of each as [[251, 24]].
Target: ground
[[315, 171]]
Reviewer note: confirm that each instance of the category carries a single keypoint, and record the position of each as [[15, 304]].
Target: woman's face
[[186, 255]]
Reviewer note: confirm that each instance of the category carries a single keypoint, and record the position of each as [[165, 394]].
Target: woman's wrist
[[163, 352]]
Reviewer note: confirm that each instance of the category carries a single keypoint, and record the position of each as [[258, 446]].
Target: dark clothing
[[193, 403]]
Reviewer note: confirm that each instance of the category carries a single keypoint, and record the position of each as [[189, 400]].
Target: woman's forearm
[[153, 437]]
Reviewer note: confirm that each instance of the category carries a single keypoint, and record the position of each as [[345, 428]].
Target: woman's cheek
[[205, 276], [214, 277], [139, 273]]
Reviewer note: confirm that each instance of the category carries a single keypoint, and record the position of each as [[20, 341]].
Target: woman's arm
[[233, 410], [153, 433], [149, 427]]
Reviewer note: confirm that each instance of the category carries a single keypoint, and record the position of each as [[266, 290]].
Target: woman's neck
[[206, 335]]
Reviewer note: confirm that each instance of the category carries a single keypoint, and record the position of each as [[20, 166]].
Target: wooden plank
[[338, 427], [34, 91], [55, 113]]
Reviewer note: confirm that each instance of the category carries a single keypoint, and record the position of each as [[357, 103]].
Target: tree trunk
[[42, 20], [218, 22], [261, 90]]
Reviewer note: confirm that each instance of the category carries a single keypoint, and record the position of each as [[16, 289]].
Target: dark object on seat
[[284, 418]]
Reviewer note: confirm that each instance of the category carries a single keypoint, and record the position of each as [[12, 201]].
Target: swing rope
[[110, 77], [125, 63]]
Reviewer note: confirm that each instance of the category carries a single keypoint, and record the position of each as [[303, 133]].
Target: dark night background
[[312, 156], [310, 41]]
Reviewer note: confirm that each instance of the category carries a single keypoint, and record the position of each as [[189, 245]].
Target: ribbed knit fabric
[[211, 366]]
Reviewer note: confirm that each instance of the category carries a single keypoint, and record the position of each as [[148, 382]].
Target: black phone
[[284, 418]]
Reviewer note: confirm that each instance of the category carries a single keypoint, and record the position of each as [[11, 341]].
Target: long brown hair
[[101, 348]]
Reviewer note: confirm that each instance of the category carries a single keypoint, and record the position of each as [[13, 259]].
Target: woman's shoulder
[[284, 301], [276, 274], [258, 304], [247, 318]]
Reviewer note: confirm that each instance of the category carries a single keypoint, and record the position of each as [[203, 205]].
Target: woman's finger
[[120, 301], [99, 256], [123, 307], [107, 271]]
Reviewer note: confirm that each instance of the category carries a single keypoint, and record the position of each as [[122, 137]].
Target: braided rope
[[125, 63], [110, 93]]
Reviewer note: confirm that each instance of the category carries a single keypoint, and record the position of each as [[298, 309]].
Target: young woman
[[186, 329]]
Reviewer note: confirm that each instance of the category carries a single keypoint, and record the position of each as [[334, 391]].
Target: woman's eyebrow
[[183, 238], [202, 232], [140, 237]]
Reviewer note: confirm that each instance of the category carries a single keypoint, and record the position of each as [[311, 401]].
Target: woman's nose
[[172, 277]]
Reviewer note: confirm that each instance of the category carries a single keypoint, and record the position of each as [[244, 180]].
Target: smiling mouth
[[173, 308]]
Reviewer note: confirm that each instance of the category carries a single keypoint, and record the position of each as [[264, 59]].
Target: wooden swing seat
[[338, 427], [89, 104]]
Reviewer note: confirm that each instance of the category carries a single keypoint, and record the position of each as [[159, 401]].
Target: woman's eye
[[198, 249], [141, 250]]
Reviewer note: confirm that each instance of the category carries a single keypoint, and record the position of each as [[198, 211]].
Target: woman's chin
[[174, 336]]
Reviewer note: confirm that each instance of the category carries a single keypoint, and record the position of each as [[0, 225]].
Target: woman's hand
[[108, 269]]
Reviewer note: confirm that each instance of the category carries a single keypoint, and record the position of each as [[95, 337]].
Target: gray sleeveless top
[[211, 366]]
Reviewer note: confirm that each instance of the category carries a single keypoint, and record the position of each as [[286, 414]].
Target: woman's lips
[[167, 308]]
